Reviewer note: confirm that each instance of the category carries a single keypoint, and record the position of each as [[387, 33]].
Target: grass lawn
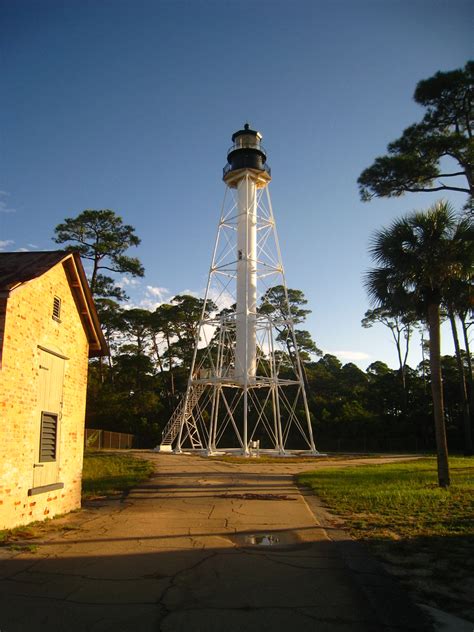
[[107, 473], [423, 534]]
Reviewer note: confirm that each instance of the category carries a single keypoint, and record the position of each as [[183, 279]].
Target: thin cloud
[[4, 207], [128, 282], [152, 298], [162, 293], [5, 243]]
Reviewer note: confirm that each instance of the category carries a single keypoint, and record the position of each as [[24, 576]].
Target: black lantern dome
[[246, 152]]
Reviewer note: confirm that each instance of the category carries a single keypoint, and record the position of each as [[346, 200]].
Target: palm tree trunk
[[437, 394], [462, 385], [469, 361], [401, 370], [407, 334]]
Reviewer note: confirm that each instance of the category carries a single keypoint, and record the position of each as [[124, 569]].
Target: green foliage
[[419, 257], [103, 238], [355, 410], [104, 286], [413, 161], [134, 324], [306, 345], [274, 302]]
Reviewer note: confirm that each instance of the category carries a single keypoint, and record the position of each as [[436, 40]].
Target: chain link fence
[[106, 439]]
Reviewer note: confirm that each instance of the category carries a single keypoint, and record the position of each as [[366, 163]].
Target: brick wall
[[28, 324]]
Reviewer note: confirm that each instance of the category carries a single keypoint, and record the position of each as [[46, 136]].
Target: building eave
[[85, 304]]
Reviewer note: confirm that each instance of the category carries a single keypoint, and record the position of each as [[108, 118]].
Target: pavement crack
[[272, 557], [175, 577], [21, 570]]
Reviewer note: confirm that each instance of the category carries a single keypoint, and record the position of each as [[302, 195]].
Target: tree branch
[[442, 188], [110, 269], [451, 175]]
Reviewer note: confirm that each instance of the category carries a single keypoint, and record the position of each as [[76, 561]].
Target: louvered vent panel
[[57, 308], [49, 427]]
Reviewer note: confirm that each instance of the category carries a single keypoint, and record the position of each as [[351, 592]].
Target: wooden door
[[49, 412]]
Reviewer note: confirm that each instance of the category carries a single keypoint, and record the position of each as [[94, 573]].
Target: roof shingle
[[19, 267]]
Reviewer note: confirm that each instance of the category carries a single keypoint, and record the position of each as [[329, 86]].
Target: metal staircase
[[183, 415]]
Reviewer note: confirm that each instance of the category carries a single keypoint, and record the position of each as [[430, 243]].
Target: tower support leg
[[245, 428]]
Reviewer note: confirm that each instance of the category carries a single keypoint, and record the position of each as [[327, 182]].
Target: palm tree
[[419, 257]]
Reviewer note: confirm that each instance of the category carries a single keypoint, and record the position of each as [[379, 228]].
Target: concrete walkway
[[203, 546]]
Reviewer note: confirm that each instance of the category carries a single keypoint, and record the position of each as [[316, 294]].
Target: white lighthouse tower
[[245, 390], [246, 172]]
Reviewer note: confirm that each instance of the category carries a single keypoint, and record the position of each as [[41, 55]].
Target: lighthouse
[[246, 172], [245, 390]]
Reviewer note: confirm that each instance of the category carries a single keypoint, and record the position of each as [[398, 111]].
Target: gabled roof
[[17, 268]]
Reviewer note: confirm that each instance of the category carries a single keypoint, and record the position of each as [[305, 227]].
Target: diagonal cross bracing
[[223, 407]]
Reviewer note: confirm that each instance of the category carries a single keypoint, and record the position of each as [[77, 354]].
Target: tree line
[[422, 275], [381, 409]]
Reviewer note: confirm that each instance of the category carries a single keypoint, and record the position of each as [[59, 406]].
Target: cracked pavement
[[205, 546]]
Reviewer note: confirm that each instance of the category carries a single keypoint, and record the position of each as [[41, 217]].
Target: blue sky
[[130, 105]]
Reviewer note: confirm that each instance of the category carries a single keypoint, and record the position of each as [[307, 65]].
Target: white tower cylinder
[[246, 171], [246, 346]]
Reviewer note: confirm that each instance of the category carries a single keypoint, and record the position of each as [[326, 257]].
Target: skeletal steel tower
[[245, 389]]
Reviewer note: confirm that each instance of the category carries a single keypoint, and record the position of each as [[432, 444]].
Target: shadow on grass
[[437, 570]]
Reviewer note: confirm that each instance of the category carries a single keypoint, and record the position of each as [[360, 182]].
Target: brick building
[[48, 331]]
